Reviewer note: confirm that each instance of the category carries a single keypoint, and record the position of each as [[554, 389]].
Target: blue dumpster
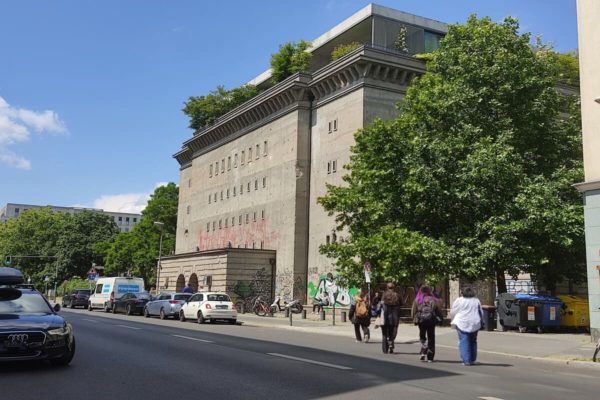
[[549, 308]]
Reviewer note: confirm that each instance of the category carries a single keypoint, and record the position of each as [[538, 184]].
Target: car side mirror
[[57, 307]]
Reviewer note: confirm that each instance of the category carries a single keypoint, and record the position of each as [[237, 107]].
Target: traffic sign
[[92, 277]]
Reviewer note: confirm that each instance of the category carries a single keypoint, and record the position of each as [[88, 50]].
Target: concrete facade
[[588, 21], [252, 179], [125, 221]]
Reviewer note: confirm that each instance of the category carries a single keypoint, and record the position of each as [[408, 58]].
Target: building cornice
[[587, 186], [217, 252], [366, 64]]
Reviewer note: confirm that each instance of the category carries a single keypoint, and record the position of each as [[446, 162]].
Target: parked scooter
[[294, 306]]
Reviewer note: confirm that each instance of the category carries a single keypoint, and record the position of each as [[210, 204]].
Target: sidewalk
[[565, 347]]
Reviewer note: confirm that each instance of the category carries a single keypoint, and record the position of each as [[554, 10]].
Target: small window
[[248, 187], [232, 221], [208, 227], [249, 154], [190, 182], [227, 193], [335, 125], [127, 220], [247, 218], [210, 169], [234, 190], [328, 167], [334, 166], [240, 220], [257, 151], [120, 219], [134, 220], [220, 224], [235, 160], [330, 127], [241, 189], [265, 148], [256, 184], [262, 244], [215, 198], [222, 165], [214, 225], [188, 209], [243, 157], [217, 168], [264, 181], [221, 195], [333, 237], [229, 163], [327, 239], [253, 245], [254, 217], [262, 214], [209, 198]]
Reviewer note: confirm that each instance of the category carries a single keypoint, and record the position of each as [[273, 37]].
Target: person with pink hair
[[426, 313]]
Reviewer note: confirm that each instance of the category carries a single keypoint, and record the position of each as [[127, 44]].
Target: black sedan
[[76, 298], [131, 303], [30, 329]]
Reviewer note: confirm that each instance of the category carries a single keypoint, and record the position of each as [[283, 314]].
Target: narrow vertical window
[[227, 193], [215, 198], [249, 154], [234, 190], [262, 244], [254, 217], [264, 181], [217, 168], [262, 214], [221, 195], [265, 148], [247, 218], [329, 129], [209, 197], [248, 187], [220, 225], [335, 125], [235, 160], [226, 222], [232, 221], [256, 184], [241, 189], [208, 227], [253, 244], [257, 151], [229, 163], [240, 220], [243, 157], [189, 208], [327, 239], [210, 168], [328, 167], [333, 237], [222, 165], [334, 166], [214, 225]]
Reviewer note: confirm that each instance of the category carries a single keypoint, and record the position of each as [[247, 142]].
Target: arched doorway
[[180, 284], [193, 282]]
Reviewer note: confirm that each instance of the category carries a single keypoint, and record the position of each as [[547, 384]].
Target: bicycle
[[261, 307]]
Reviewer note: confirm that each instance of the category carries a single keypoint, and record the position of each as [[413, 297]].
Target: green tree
[[473, 173], [291, 58], [205, 110], [137, 251], [342, 49]]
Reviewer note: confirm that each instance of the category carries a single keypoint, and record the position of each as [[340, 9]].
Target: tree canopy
[[291, 58], [205, 110], [473, 178]]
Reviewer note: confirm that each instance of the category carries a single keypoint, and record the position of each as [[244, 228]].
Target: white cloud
[[15, 126], [127, 202]]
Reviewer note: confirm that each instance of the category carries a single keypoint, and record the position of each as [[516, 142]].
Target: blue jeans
[[467, 346]]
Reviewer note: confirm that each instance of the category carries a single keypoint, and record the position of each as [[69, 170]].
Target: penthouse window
[[265, 148]]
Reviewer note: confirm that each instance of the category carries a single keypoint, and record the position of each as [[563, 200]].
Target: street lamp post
[[159, 266]]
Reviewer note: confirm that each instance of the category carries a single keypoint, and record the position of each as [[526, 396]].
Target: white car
[[209, 306]]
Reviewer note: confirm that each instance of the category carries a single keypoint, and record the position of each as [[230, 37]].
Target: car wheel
[[232, 321], [71, 305], [106, 308], [66, 358], [90, 308], [201, 319], [114, 309], [128, 309], [181, 316], [162, 314], [146, 313]]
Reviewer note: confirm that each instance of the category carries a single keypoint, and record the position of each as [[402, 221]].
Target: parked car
[[110, 288], [30, 328], [209, 306], [131, 303], [76, 298], [166, 305]]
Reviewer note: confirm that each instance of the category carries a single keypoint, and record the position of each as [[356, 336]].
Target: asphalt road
[[120, 357]]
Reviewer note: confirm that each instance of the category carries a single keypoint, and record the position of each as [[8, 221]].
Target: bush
[[291, 58], [342, 49]]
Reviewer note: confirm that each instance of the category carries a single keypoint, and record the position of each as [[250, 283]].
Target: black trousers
[[388, 333], [427, 338], [365, 329]]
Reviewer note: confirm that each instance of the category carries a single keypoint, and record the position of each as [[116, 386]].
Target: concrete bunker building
[[248, 218]]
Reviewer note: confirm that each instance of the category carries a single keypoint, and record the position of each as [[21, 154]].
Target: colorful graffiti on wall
[[341, 295], [239, 236], [246, 290]]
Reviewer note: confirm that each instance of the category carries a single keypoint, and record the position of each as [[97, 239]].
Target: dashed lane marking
[[489, 398], [128, 327], [90, 320], [192, 338], [306, 360]]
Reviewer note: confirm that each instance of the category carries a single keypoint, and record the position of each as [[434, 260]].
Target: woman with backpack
[[360, 316], [426, 313]]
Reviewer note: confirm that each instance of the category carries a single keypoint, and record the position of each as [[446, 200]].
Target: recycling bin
[[489, 317], [575, 312], [547, 309], [518, 312]]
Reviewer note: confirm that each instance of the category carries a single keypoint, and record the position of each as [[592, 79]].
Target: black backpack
[[426, 311]]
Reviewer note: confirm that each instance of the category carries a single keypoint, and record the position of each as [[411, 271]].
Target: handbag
[[379, 321]]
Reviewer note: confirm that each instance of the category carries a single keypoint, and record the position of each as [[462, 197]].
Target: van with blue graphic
[[109, 289]]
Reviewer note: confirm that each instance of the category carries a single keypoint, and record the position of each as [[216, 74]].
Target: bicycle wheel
[[596, 357], [261, 309]]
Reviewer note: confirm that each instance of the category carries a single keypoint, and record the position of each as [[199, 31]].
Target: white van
[[109, 289]]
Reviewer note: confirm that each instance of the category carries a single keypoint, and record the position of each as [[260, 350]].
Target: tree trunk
[[500, 281]]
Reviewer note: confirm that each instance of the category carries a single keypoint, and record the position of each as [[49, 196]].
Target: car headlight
[[59, 331]]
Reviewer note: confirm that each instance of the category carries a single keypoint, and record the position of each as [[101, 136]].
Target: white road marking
[[90, 320], [489, 398], [192, 338], [324, 364], [129, 327]]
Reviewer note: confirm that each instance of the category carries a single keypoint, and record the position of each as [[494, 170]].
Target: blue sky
[[91, 91]]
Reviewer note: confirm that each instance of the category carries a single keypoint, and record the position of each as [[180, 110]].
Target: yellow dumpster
[[575, 312]]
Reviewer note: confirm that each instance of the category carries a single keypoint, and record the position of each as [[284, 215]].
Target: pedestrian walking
[[425, 314], [466, 316], [188, 289], [360, 315], [391, 318], [375, 304]]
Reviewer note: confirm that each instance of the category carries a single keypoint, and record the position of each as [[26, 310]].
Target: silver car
[[166, 305]]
